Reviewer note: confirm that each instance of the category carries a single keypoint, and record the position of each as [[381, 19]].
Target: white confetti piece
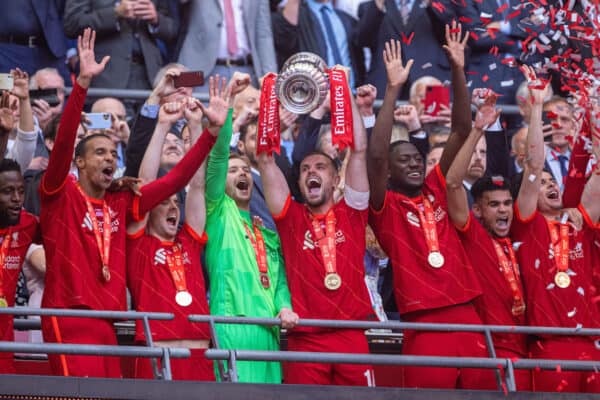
[[516, 245], [572, 313], [426, 65], [532, 178], [550, 286], [485, 15], [581, 291], [493, 66], [507, 83], [557, 35], [537, 263], [570, 272], [544, 39]]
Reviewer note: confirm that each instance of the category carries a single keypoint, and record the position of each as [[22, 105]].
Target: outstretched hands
[[88, 67], [538, 90], [397, 72], [455, 44], [218, 104]]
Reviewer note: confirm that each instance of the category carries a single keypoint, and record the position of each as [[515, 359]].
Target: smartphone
[[6, 82], [189, 79], [435, 97], [547, 126], [98, 121], [49, 95]]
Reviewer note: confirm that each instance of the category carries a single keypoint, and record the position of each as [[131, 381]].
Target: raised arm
[[356, 173], [64, 143], [379, 143], [591, 193], [534, 162], [179, 176], [575, 180], [458, 206], [461, 103]]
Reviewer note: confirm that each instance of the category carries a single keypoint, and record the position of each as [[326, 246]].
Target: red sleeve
[[155, 192], [575, 179], [62, 153]]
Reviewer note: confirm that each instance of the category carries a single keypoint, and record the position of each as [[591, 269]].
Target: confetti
[[532, 178], [572, 313], [581, 291], [550, 286]]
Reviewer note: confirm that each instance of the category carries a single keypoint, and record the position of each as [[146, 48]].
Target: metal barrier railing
[[135, 94], [150, 351], [509, 365]]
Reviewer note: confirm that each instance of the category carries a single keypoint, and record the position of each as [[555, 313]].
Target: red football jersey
[[548, 304], [21, 236], [305, 269], [152, 288], [417, 285], [74, 268], [496, 302]]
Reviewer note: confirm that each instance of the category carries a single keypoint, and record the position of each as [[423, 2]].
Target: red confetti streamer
[[409, 39], [502, 8], [438, 6]]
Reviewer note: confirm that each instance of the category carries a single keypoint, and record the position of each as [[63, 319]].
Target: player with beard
[[244, 261], [164, 271], [434, 280], [484, 235], [324, 245], [557, 260], [83, 226], [18, 229]]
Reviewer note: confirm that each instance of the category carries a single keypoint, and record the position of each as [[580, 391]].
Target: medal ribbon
[[510, 270], [258, 245], [327, 241], [268, 135], [3, 254], [175, 264], [341, 110], [560, 244], [427, 218], [102, 240]]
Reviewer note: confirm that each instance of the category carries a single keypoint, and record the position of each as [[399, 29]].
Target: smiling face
[[495, 211], [172, 152], [407, 168], [164, 219], [318, 180], [12, 196], [97, 162], [549, 197], [239, 181]]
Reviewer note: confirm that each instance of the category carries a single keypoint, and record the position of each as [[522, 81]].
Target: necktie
[[232, 46], [404, 11], [331, 43], [564, 165]]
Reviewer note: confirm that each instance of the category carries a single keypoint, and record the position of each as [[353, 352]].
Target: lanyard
[[327, 241], [428, 223], [175, 263], [102, 239], [510, 270], [560, 244], [260, 253], [3, 254]]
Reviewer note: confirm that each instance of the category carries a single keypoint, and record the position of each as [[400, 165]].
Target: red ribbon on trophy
[[268, 136], [341, 109]]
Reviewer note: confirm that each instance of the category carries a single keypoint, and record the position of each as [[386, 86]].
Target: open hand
[[455, 44], [397, 72], [88, 67], [218, 104]]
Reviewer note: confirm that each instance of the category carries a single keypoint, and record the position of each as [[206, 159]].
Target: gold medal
[[435, 259], [562, 279], [183, 298], [3, 302], [106, 273], [333, 281], [264, 280]]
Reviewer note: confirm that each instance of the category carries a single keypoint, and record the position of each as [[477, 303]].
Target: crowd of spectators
[[418, 210]]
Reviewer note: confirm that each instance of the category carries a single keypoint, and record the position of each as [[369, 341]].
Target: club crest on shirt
[[309, 244], [160, 257], [87, 222]]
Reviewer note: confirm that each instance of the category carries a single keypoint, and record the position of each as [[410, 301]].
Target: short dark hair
[[8, 164], [244, 128], [243, 157], [51, 129], [322, 153], [81, 146], [489, 184]]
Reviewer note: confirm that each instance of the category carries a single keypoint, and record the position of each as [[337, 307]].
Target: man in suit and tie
[[31, 36], [224, 36], [563, 127], [127, 32], [315, 26], [408, 21]]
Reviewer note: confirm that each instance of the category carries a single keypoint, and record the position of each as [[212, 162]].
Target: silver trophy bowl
[[302, 84]]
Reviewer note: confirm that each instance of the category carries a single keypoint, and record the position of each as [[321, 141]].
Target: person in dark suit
[[315, 26], [409, 22], [127, 32], [32, 37]]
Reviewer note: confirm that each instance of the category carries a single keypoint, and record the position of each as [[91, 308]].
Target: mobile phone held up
[[547, 126], [6, 82], [97, 121], [435, 97], [50, 96], [189, 79]]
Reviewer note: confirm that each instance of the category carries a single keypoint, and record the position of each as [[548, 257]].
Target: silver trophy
[[302, 84]]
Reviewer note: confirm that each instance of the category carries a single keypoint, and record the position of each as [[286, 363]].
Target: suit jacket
[[375, 28], [200, 47], [307, 36], [114, 37], [48, 13]]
